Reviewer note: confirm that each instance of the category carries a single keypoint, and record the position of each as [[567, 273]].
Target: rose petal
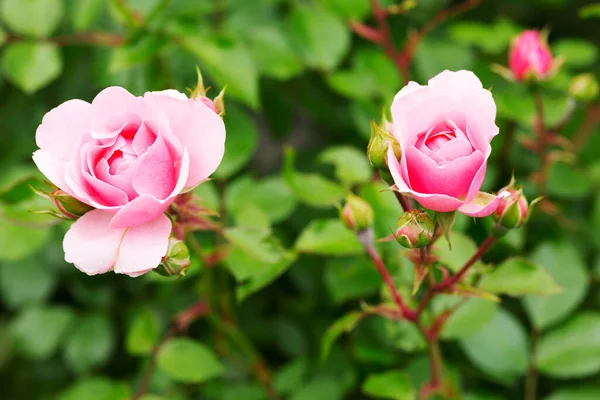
[[454, 149], [143, 247], [91, 244], [455, 82], [155, 173], [113, 108], [199, 129], [482, 205]]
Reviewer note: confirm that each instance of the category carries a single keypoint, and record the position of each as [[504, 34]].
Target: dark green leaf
[[351, 165], [28, 281], [142, 335], [350, 278], [580, 393], [85, 13], [344, 324], [188, 361], [90, 343]]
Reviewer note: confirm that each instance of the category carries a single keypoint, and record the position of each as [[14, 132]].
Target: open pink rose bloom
[[128, 157], [444, 130]]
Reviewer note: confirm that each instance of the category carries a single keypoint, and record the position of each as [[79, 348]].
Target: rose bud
[[512, 210], [584, 87], [69, 206], [177, 259], [380, 140], [357, 214], [414, 229], [530, 57]]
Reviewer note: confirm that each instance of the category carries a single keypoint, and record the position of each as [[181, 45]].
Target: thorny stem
[[378, 262], [531, 378], [180, 323]]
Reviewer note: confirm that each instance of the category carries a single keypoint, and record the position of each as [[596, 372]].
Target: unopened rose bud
[[530, 56], [68, 205], [512, 210], [414, 229], [381, 139], [357, 214], [177, 259], [584, 87]]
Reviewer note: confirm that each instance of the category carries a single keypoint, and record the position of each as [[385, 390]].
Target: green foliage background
[[297, 79]]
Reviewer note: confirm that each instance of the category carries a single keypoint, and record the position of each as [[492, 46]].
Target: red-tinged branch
[[404, 201], [181, 322], [592, 119], [378, 262]]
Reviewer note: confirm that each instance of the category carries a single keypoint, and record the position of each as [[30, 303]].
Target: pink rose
[[127, 157], [529, 55], [444, 130]]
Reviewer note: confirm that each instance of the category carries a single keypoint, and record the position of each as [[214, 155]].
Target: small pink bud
[[530, 56], [512, 210], [414, 229], [357, 214]]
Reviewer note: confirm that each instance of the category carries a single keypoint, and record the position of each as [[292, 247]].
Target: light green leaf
[[311, 189], [319, 35], [470, 317], [435, 55], [562, 261], [90, 343], [189, 361], [328, 237], [30, 65], [242, 140], [491, 38], [342, 325], [272, 52], [573, 349], [590, 11], [576, 52], [85, 13], [38, 330], [28, 281], [463, 248], [350, 278], [288, 378], [208, 193], [394, 384], [256, 243], [134, 54], [518, 277], [579, 393], [18, 242], [507, 358], [37, 18], [568, 181], [229, 63], [349, 9], [142, 334], [97, 388], [351, 165], [272, 195]]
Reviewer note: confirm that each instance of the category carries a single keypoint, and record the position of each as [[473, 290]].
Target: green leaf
[[394, 384], [590, 11], [229, 63], [96, 388], [311, 189], [562, 261], [242, 141], [28, 281], [30, 65], [463, 248], [579, 393], [289, 378], [208, 193], [38, 330], [142, 334], [319, 35], [272, 195], [507, 358], [351, 165], [518, 277], [342, 325], [577, 53], [573, 349], [434, 55], [468, 318], [90, 343], [37, 18], [18, 242], [85, 13], [328, 237], [134, 54], [256, 243], [490, 38], [272, 52], [568, 181], [320, 388], [188, 361], [349, 9], [350, 278]]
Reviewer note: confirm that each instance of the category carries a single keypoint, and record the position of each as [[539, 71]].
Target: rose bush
[[444, 130], [127, 157]]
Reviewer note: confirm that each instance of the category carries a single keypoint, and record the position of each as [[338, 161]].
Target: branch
[[404, 201], [378, 262], [456, 278]]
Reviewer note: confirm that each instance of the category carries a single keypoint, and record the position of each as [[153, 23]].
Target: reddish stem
[[404, 201], [456, 278], [378, 262]]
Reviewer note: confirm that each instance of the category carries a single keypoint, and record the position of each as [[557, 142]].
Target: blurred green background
[[297, 77]]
